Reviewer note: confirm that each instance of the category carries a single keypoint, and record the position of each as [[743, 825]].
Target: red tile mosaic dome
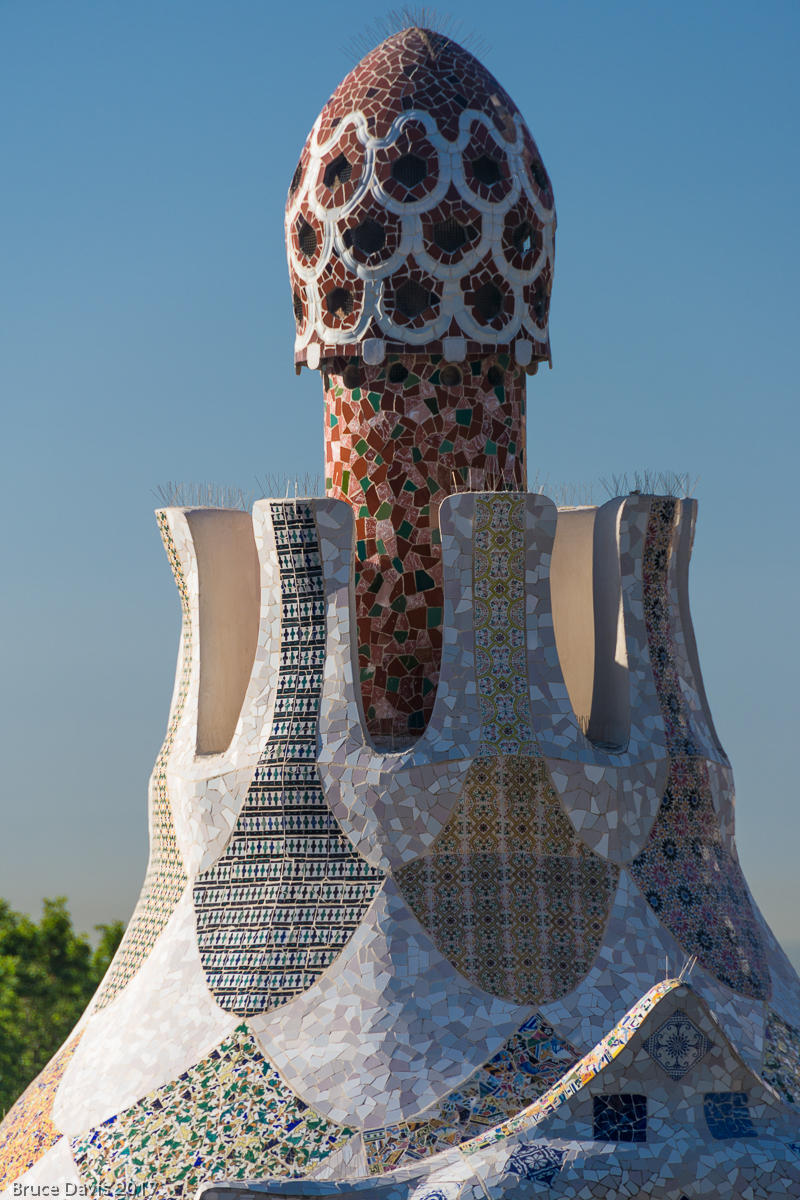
[[420, 214]]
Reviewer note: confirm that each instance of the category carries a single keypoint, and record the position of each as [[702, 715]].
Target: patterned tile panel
[[527, 1065], [278, 906], [499, 622], [696, 887], [28, 1130], [782, 1057], [540, 1164], [655, 579], [677, 1045], [231, 1116], [396, 443], [686, 872], [166, 878], [509, 893]]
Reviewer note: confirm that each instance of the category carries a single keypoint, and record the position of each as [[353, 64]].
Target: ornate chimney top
[[420, 215]]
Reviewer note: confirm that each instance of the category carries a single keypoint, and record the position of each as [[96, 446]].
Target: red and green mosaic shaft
[[395, 446]]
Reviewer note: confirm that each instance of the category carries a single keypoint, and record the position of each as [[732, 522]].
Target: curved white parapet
[[235, 609], [392, 806], [611, 797]]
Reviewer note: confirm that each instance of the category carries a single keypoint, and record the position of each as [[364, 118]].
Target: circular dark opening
[[413, 299], [297, 305], [409, 170], [523, 237], [487, 170], [397, 373], [369, 237], [450, 235], [488, 301], [450, 375], [339, 302], [352, 375], [494, 375], [336, 172], [298, 175], [306, 238], [538, 174]]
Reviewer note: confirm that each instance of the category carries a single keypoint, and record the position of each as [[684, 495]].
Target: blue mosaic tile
[[540, 1164], [621, 1118], [728, 1115]]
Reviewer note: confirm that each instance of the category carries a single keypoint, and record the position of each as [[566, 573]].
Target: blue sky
[[146, 336]]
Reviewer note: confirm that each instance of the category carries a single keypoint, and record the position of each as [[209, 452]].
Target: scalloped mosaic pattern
[[526, 1066], [27, 1131], [166, 878], [420, 209], [230, 1116], [685, 872], [288, 893], [394, 449], [782, 1056], [509, 893]]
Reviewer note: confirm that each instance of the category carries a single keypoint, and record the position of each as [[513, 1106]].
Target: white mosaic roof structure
[[511, 950]]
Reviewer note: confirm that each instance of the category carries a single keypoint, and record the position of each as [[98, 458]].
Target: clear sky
[[146, 336]]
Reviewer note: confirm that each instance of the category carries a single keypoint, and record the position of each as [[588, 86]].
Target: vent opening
[[450, 235], [523, 238], [488, 302], [306, 238], [409, 170], [413, 299], [337, 172], [487, 170], [298, 175], [369, 237], [539, 304], [339, 302], [494, 376], [538, 174], [297, 305]]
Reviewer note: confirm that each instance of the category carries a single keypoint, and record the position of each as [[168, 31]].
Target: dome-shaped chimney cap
[[420, 217]]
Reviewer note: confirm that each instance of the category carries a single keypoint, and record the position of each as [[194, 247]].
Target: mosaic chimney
[[514, 955], [420, 230]]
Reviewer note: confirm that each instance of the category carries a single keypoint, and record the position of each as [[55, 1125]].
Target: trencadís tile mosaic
[[230, 1116], [28, 1131], [782, 1056], [528, 1064], [289, 891]]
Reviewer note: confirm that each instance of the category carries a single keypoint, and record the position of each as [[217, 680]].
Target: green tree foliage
[[48, 974]]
